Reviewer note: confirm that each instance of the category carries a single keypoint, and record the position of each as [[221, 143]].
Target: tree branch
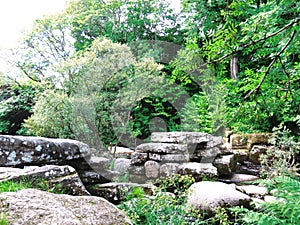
[[256, 89], [253, 43]]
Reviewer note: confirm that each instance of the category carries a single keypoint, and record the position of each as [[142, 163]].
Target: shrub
[[280, 159]]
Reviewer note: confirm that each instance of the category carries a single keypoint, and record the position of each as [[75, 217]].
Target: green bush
[[51, 116], [161, 208], [281, 158], [165, 207], [196, 114]]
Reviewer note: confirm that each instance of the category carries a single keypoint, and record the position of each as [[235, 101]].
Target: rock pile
[[175, 152], [81, 171]]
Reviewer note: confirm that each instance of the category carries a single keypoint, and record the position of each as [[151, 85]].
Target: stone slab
[[163, 148], [180, 137], [21, 150]]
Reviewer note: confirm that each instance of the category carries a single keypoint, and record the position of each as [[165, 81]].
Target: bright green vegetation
[[3, 220], [96, 73], [91, 71], [165, 208], [282, 181], [284, 210], [162, 207], [24, 183]]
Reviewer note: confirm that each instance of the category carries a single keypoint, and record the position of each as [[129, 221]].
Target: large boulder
[[32, 206], [65, 176], [20, 150], [207, 196]]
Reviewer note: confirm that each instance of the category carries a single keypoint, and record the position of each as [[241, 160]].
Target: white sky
[[17, 15]]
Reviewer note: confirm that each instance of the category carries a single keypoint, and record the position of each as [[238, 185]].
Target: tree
[[122, 21], [234, 32], [42, 49]]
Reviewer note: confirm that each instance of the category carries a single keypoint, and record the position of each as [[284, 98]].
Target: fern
[[284, 211]]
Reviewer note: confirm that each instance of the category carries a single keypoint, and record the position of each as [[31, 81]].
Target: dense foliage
[[284, 210], [252, 46], [17, 101], [238, 68]]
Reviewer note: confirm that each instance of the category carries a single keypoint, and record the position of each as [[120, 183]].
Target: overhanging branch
[[256, 89]]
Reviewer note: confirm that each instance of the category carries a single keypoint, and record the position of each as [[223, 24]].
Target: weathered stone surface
[[121, 165], [270, 198], [240, 178], [241, 154], [209, 155], [139, 158], [214, 141], [238, 141], [207, 196], [179, 137], [247, 167], [256, 152], [19, 150], [258, 139], [116, 192], [253, 190], [94, 177], [169, 157], [165, 148], [137, 170], [226, 149], [152, 169], [198, 170], [99, 163], [140, 179], [225, 164], [121, 152], [155, 157], [93, 163], [175, 158], [32, 206], [66, 176], [246, 141], [168, 169]]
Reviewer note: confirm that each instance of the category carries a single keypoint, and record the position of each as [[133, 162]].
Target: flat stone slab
[[180, 137], [198, 170], [65, 176], [96, 177], [240, 178], [165, 148], [21, 150], [253, 190]]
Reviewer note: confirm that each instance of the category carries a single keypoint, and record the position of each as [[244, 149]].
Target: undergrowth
[[284, 210]]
